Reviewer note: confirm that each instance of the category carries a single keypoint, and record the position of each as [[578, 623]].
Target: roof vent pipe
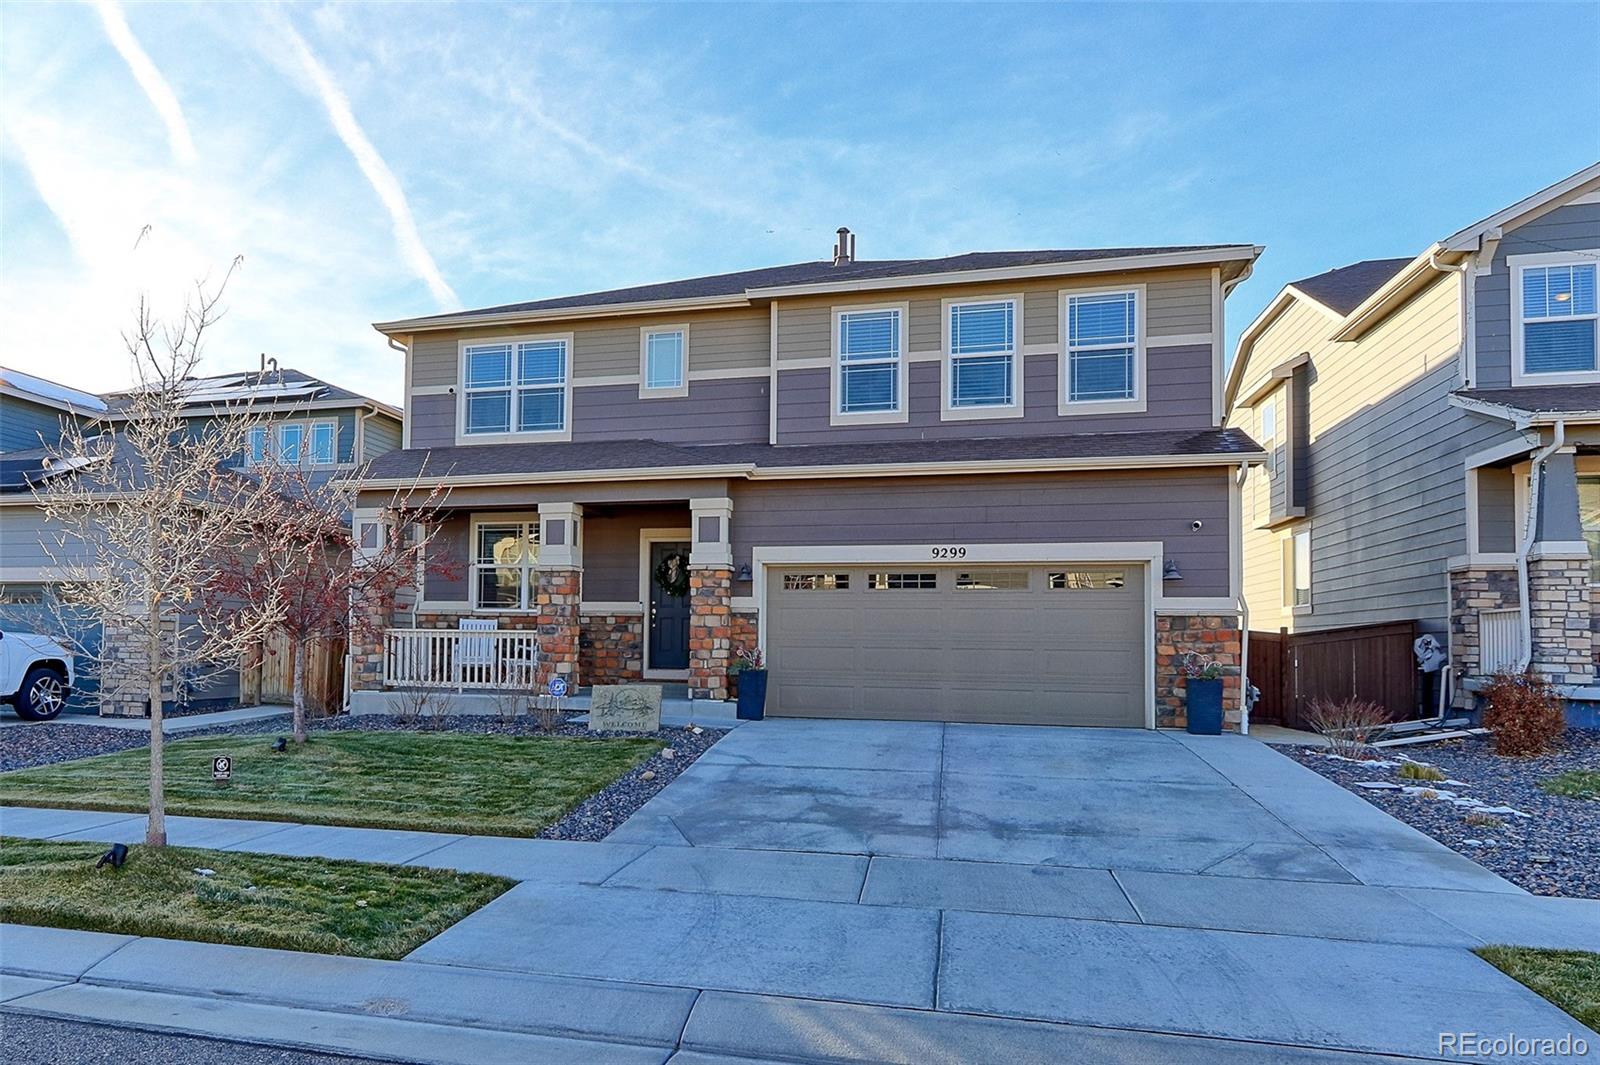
[[845, 250]]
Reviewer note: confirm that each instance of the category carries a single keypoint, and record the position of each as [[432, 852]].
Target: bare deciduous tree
[[138, 514]]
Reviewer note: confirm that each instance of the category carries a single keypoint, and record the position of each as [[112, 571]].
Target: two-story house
[[1433, 427], [309, 423], [989, 487]]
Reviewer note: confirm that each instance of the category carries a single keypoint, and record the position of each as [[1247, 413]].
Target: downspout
[[1531, 530], [1464, 316], [1244, 619]]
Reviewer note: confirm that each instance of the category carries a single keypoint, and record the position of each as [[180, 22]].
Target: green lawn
[[1578, 784], [257, 900], [1569, 978], [444, 782]]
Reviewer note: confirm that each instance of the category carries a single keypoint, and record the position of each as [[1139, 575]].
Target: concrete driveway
[[836, 889]]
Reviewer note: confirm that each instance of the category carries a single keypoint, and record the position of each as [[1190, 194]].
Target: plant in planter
[[750, 667], [1203, 681]]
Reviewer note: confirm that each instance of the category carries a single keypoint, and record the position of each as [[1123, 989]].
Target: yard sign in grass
[[483, 785]]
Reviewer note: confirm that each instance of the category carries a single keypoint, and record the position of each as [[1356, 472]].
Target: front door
[[669, 614]]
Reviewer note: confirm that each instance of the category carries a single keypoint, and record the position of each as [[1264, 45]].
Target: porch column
[[559, 590], [1559, 603], [369, 621], [710, 597]]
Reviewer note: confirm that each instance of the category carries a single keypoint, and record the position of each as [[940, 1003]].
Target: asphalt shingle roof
[[1344, 289], [532, 460], [1540, 399], [817, 272]]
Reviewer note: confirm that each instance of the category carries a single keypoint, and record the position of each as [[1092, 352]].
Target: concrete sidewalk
[[170, 725]]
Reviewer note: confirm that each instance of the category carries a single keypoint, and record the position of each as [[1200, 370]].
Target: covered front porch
[[610, 584], [1523, 597]]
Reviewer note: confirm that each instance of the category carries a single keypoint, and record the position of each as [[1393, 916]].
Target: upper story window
[[869, 364], [1269, 433], [516, 387], [982, 356], [505, 564], [663, 361], [1558, 333], [1297, 569], [298, 443], [1104, 351]]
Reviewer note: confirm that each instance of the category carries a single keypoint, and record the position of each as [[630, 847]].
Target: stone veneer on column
[[1561, 613], [366, 645], [556, 596], [1212, 635], [710, 630], [1474, 589]]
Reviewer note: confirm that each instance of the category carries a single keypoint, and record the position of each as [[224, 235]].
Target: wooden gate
[[1373, 662], [268, 675]]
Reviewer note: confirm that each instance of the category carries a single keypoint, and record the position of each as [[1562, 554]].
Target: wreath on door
[[672, 575]]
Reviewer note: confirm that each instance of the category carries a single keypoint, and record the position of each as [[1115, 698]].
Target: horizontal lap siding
[[25, 425], [382, 435], [1178, 379], [1046, 508], [1573, 228], [28, 540], [433, 421], [451, 543], [611, 549], [732, 411]]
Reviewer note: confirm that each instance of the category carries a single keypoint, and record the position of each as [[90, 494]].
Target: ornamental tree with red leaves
[[304, 565]]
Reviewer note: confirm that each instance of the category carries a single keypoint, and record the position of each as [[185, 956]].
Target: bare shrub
[[548, 713], [1525, 713], [409, 704], [1348, 724], [439, 706], [1482, 820], [509, 704]]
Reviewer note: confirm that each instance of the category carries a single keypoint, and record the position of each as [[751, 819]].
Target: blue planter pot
[[1205, 707], [752, 694]]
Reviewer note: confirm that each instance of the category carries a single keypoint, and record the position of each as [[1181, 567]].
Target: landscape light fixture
[[115, 857]]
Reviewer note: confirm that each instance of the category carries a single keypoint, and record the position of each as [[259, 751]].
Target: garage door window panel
[[1087, 580], [816, 582], [893, 581], [993, 580]]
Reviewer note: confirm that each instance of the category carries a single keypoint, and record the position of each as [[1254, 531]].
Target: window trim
[[1516, 264], [947, 358], [273, 428], [899, 416], [1269, 439], [1138, 403], [529, 519], [462, 392], [677, 391], [1288, 566]]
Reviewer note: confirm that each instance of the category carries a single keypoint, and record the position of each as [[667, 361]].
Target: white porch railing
[[453, 658], [1499, 639]]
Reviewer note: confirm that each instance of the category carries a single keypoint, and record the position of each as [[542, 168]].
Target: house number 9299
[[948, 552]]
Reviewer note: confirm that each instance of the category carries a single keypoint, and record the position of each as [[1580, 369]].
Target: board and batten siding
[[1575, 227], [1097, 507], [1386, 499]]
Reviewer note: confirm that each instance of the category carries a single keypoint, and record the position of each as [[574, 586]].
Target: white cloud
[[155, 87], [378, 174]]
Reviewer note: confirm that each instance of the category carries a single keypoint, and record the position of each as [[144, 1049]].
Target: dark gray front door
[[669, 614]]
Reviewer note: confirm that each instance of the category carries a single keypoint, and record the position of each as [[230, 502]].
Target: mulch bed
[[46, 743], [1553, 851]]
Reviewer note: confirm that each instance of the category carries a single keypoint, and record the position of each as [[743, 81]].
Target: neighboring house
[[321, 427], [1433, 429], [990, 487]]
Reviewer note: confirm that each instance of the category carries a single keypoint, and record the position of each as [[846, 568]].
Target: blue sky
[[372, 161]]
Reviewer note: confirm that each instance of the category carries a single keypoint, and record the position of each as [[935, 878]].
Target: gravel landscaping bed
[[46, 743], [1553, 850]]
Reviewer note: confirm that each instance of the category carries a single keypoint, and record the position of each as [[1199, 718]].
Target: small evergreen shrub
[[1418, 771]]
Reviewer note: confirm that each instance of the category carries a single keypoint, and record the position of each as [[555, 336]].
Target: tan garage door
[[1045, 645]]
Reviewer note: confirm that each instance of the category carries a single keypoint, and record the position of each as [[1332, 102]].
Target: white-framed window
[[1102, 362], [518, 387], [1556, 332], [1297, 570], [1589, 514], [1269, 433], [869, 356], [982, 358], [505, 562], [664, 361], [294, 443]]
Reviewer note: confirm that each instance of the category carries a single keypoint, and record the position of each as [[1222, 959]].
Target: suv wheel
[[43, 694]]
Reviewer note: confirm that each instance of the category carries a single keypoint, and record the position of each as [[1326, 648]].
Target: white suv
[[35, 675]]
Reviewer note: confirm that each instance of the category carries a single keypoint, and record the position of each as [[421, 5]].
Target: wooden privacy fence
[[267, 676], [1373, 662]]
